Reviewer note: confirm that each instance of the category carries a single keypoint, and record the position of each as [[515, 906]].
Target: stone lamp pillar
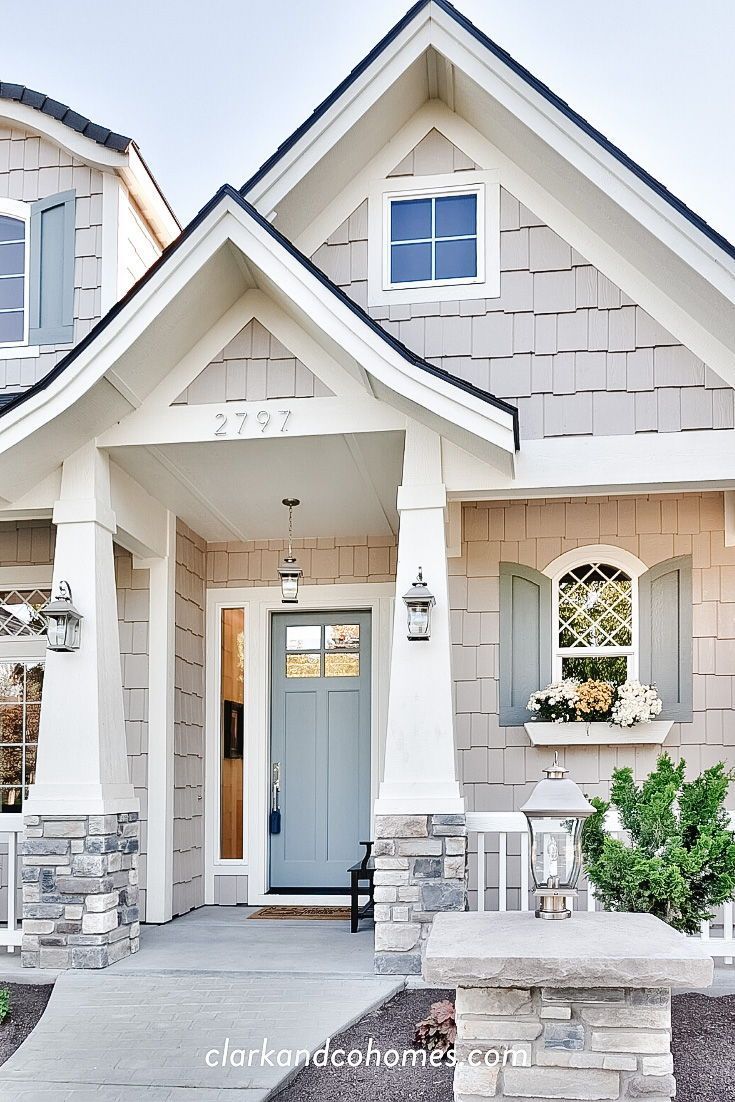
[[572, 1010]]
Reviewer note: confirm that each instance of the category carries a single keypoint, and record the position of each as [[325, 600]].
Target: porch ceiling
[[346, 483]]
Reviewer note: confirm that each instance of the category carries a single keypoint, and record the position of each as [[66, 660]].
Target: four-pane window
[[433, 238], [12, 279]]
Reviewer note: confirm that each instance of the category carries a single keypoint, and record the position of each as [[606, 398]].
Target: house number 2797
[[233, 424]]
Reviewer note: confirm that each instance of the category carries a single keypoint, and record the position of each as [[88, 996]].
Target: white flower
[[635, 703]]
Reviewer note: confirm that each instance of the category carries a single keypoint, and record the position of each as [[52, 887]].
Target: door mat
[[316, 914]]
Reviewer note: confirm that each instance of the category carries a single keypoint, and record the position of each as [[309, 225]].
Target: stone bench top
[[602, 949]]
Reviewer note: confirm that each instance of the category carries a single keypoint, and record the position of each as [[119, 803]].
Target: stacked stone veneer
[[570, 1043], [420, 869], [80, 890]]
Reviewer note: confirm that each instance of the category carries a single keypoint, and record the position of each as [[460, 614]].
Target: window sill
[[597, 734], [19, 351]]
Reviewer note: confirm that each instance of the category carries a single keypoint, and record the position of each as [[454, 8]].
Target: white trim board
[[259, 604]]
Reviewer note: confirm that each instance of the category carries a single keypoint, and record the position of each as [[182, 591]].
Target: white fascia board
[[227, 221], [642, 463], [327, 130], [582, 151], [149, 198]]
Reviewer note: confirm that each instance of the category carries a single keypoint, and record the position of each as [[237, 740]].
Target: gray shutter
[[665, 603], [525, 639], [52, 270]]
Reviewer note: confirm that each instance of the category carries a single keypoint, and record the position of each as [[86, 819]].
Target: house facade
[[471, 338]]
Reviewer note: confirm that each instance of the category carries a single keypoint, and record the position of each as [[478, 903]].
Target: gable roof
[[281, 242], [19, 93], [525, 75]]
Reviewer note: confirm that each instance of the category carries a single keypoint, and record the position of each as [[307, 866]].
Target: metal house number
[[234, 424]]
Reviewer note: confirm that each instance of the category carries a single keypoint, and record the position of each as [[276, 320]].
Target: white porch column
[[420, 771], [82, 756], [80, 874], [161, 659]]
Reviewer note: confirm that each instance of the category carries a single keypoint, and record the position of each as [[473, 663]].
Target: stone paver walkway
[[141, 1031]]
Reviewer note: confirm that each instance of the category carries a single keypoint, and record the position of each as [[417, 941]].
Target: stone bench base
[[566, 1043]]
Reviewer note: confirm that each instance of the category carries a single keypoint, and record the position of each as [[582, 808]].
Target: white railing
[[11, 827], [505, 824]]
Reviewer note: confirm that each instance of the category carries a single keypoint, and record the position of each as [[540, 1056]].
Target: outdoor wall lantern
[[290, 572], [63, 621], [419, 602], [556, 810]]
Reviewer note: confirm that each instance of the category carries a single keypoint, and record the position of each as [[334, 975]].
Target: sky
[[209, 89]]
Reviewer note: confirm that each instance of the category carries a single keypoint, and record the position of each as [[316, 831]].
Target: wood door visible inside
[[320, 737]]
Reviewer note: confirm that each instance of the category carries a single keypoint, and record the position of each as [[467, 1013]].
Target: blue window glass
[[11, 293], [433, 239], [11, 327], [410, 263], [456, 215], [456, 259], [11, 229], [410, 220]]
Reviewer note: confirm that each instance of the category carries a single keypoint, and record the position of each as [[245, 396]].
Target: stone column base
[[80, 890], [420, 869], [563, 1043]]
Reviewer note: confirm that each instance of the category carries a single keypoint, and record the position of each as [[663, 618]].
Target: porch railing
[[510, 831], [11, 827]]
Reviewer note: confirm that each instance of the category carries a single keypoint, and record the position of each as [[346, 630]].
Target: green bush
[[4, 1003], [678, 860]]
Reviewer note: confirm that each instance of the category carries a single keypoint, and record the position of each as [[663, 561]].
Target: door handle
[[274, 819]]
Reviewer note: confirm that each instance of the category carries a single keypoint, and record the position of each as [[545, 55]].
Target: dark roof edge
[[561, 105], [19, 93], [227, 190]]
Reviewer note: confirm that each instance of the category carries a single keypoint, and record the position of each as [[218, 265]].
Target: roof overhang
[[435, 54], [228, 250]]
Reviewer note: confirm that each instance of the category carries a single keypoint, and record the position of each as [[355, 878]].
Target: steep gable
[[252, 367]]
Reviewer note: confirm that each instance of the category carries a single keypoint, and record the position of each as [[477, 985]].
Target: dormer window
[[434, 238], [13, 272]]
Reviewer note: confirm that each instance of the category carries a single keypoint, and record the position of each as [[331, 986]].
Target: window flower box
[[580, 733]]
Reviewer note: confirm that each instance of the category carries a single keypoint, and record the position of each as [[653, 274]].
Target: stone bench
[[579, 1009]]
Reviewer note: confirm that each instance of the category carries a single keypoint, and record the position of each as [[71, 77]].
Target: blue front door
[[320, 744]]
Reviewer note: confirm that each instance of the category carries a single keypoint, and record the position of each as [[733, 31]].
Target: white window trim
[[486, 284], [15, 208], [581, 556], [259, 604]]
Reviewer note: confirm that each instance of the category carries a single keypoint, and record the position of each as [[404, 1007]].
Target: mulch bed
[[703, 1044], [27, 1004]]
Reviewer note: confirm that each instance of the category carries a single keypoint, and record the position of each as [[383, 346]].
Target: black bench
[[361, 873]]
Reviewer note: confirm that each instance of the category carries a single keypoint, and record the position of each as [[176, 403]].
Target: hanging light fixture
[[63, 621], [419, 601], [290, 572]]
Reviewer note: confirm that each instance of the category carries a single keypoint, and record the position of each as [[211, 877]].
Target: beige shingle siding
[[32, 168], [133, 603], [324, 560], [562, 341], [254, 366], [188, 872], [498, 766]]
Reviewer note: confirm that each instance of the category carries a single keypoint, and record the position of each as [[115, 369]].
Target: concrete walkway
[[142, 1029]]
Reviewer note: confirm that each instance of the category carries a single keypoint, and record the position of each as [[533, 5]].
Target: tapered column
[[420, 834], [80, 893]]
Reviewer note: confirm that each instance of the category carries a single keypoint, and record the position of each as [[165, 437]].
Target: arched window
[[595, 614], [13, 272]]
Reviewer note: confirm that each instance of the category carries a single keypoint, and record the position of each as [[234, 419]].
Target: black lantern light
[[419, 602], [289, 571], [556, 810], [63, 621]]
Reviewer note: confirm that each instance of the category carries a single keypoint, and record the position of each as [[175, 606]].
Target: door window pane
[[303, 665], [20, 713], [232, 733], [342, 637], [341, 665], [303, 637]]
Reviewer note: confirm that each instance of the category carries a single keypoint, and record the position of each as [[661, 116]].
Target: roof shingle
[[56, 110]]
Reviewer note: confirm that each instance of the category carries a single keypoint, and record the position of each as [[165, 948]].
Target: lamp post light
[[63, 621], [419, 601], [556, 810], [290, 571]]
